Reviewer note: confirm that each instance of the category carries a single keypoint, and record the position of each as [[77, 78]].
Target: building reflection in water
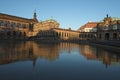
[[97, 53], [20, 51], [88, 51], [108, 57]]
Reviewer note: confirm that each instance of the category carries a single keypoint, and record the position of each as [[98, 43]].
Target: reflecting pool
[[57, 61]]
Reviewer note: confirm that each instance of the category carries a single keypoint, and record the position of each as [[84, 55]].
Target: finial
[[35, 10], [51, 18]]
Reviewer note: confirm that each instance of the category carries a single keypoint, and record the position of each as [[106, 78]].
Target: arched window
[[24, 26], [59, 34], [14, 33], [115, 36], [8, 24], [8, 33], [56, 34], [99, 36], [11, 24], [88, 36], [84, 35], [65, 34], [107, 36], [1, 33], [1, 23], [14, 24], [19, 25], [91, 35], [79, 35], [20, 34], [24, 34]]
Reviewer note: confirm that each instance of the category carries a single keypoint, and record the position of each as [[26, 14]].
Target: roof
[[89, 25], [50, 20], [16, 18], [65, 29]]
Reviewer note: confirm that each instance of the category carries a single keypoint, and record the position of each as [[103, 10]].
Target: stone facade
[[12, 27], [49, 30], [108, 29], [67, 34], [44, 26], [88, 31]]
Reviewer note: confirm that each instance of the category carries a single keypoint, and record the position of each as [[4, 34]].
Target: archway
[[99, 36], [24, 34], [85, 35], [14, 34], [57, 34], [2, 34], [8, 34], [114, 36], [80, 36], [20, 34], [88, 36], [107, 36]]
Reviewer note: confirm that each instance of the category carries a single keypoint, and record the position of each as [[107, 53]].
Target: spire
[[35, 10], [35, 14]]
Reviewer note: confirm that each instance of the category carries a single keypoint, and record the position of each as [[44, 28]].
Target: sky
[[69, 13]]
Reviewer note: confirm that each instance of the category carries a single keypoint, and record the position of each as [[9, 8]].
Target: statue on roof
[[107, 15]]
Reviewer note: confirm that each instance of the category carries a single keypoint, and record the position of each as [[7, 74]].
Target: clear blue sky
[[69, 13]]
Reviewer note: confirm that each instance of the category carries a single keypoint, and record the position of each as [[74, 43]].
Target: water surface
[[58, 61]]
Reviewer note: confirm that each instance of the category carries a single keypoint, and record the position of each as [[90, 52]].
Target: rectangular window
[[115, 27]]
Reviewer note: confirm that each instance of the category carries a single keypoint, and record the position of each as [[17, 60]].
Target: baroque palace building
[[13, 27], [49, 30], [107, 29], [88, 31]]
